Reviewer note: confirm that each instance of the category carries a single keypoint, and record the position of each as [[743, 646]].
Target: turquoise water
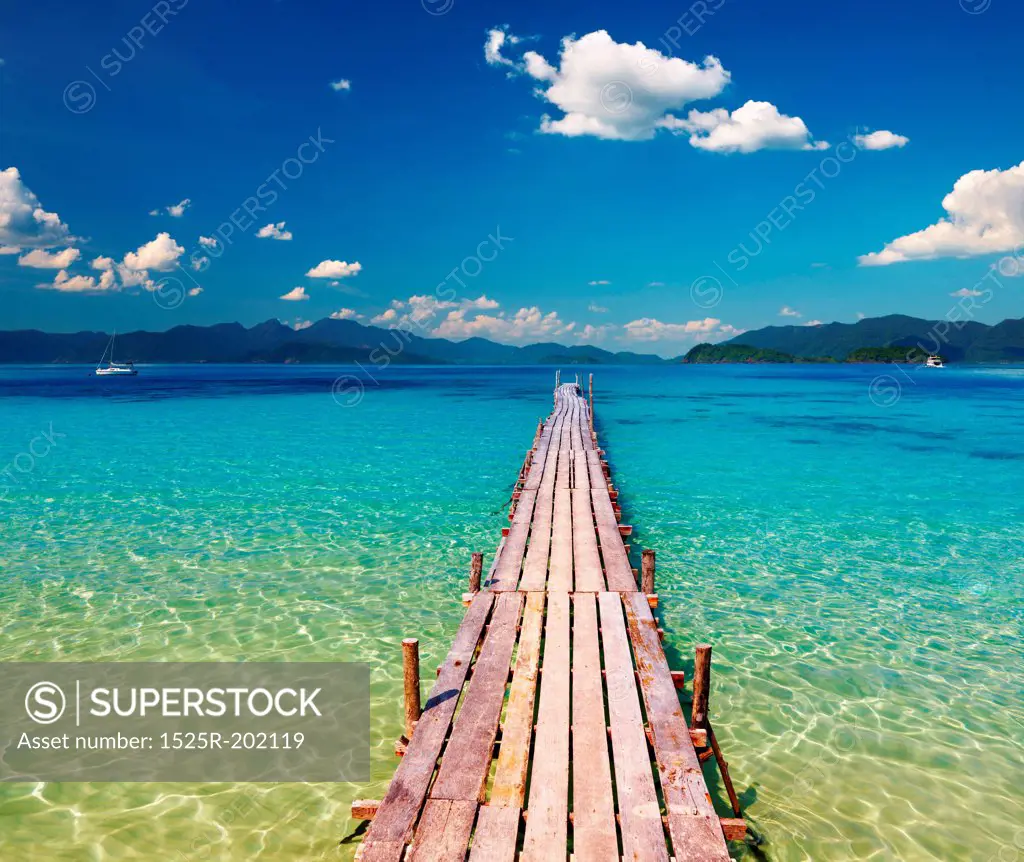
[[851, 550]]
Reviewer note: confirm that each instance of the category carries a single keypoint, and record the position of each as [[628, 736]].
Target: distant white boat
[[934, 361], [111, 368]]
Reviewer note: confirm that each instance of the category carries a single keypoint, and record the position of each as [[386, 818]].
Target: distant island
[[895, 338], [732, 352]]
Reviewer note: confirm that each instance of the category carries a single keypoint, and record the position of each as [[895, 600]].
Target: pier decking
[[554, 730]]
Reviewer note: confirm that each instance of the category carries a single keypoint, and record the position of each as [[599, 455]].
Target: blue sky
[[629, 217]]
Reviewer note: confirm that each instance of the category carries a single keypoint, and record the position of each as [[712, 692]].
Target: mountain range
[[963, 341], [343, 341]]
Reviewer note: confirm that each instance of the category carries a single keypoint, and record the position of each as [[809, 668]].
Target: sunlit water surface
[[852, 551]]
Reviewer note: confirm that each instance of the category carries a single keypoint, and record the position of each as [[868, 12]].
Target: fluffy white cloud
[[590, 334], [161, 254], [296, 294], [966, 291], [418, 311], [299, 324], [527, 324], [45, 260], [334, 269], [103, 263], [208, 241], [199, 262], [23, 221], [880, 140], [389, 316], [343, 84], [786, 311], [274, 231], [609, 89], [984, 215], [813, 323], [195, 291], [651, 329], [65, 283], [597, 309], [345, 314], [751, 127]]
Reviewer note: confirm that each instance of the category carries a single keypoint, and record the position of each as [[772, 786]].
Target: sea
[[848, 538]]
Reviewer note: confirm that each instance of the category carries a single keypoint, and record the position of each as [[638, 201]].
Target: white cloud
[[497, 37], [861, 315], [299, 324], [45, 260], [786, 311], [651, 329], [880, 140], [174, 210], [597, 283], [527, 324], [199, 262], [296, 294], [103, 263], [597, 309], [389, 316], [274, 231], [984, 215], [589, 334], [65, 283], [10, 249], [343, 84], [420, 310], [334, 269], [161, 254], [751, 127], [208, 241], [23, 221], [966, 291], [813, 323], [195, 291], [345, 314], [608, 89]]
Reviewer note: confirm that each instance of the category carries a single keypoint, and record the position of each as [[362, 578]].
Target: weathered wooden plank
[[535, 567], [587, 575], [509, 786], [593, 823], [506, 574], [497, 831], [443, 833], [693, 824], [401, 806], [597, 477], [580, 470], [617, 570], [560, 571], [548, 809], [643, 836], [467, 759]]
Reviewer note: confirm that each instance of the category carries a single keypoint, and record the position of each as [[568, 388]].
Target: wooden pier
[[554, 730]]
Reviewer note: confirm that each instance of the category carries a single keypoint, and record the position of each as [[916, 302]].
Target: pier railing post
[[411, 675], [590, 403], [647, 572], [476, 567], [701, 686]]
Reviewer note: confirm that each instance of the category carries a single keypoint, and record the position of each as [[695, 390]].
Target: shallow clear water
[[852, 552]]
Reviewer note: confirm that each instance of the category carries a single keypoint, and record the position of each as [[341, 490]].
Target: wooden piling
[[590, 402], [647, 572], [411, 674], [701, 686], [476, 567]]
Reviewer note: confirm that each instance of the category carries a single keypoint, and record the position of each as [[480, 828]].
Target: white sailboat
[[113, 369]]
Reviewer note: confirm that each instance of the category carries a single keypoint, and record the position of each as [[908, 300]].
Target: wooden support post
[[411, 674], [365, 809], [701, 686], [647, 572], [723, 767], [476, 567], [591, 403]]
